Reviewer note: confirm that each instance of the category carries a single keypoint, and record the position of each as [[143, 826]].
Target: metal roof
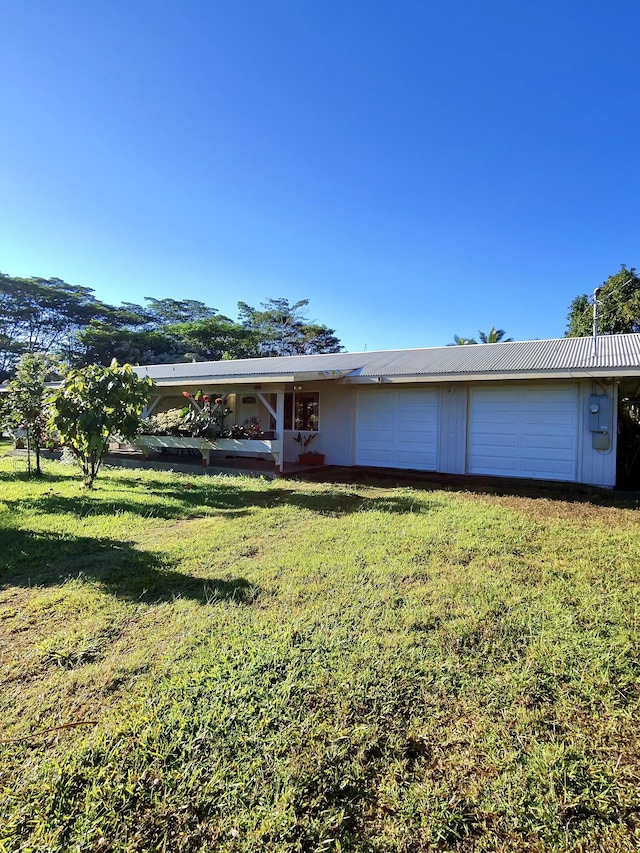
[[616, 355]]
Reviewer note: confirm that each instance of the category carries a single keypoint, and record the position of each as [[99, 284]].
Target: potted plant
[[308, 457]]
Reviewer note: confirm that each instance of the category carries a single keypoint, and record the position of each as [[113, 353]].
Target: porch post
[[279, 456], [148, 409]]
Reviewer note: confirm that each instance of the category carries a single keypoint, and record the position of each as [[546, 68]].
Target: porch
[[190, 461]]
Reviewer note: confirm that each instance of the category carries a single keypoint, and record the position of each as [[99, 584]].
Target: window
[[301, 411]]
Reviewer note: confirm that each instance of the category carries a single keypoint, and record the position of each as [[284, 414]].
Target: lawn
[[231, 664]]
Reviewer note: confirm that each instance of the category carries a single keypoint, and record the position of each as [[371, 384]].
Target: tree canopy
[[91, 405], [283, 329], [618, 307], [52, 316], [25, 403], [495, 336], [492, 337]]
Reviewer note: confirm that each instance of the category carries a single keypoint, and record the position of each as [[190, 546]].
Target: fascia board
[[589, 373]]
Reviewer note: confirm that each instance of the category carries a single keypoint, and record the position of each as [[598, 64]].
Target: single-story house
[[544, 409]]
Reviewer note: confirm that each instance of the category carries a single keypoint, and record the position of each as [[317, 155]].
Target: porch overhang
[[240, 379]]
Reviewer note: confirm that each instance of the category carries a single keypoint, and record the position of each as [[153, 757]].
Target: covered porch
[[222, 423], [185, 462]]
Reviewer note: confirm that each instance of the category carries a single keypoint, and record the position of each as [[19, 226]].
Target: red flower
[[206, 399], [186, 394], [218, 400]]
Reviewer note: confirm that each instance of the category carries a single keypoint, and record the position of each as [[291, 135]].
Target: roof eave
[[243, 379], [575, 373]]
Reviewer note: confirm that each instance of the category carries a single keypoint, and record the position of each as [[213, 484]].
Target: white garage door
[[397, 428], [520, 431]]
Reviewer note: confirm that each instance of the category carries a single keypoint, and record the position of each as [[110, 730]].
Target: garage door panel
[[550, 471], [415, 436], [495, 466], [376, 434], [397, 429], [506, 439], [524, 432], [376, 458], [548, 442]]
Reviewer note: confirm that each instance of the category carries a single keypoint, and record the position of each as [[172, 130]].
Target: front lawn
[[227, 664]]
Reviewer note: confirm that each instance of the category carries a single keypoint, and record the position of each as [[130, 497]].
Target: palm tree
[[494, 336], [462, 342]]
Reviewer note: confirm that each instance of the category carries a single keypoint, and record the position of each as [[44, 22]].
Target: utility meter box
[[599, 413], [600, 420]]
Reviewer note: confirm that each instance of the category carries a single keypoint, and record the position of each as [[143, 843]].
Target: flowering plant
[[250, 428], [202, 418]]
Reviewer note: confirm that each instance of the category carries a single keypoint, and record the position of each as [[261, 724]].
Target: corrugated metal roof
[[615, 354]]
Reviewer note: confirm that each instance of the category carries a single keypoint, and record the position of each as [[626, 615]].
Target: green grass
[[297, 666]]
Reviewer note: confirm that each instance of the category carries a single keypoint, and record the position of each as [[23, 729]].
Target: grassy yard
[[215, 664]]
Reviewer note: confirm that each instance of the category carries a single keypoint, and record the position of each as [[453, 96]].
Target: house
[[544, 409]]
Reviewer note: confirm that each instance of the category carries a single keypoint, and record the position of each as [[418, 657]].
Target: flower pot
[[311, 458]]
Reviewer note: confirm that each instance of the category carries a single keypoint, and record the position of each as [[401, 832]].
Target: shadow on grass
[[172, 500], [37, 559], [388, 478]]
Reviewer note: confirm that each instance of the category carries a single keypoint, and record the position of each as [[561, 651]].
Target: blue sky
[[416, 169]]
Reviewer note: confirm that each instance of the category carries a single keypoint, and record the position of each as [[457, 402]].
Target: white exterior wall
[[589, 466], [452, 432], [595, 467], [337, 434], [335, 425]]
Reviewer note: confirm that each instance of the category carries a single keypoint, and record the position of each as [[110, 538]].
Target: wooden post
[[279, 457]]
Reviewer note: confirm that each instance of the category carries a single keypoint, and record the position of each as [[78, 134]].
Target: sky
[[416, 169]]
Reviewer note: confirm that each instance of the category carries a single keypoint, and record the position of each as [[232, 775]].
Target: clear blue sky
[[415, 168]]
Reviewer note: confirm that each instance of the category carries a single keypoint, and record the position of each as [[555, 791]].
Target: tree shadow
[[21, 475], [91, 504], [49, 559], [198, 497], [429, 481]]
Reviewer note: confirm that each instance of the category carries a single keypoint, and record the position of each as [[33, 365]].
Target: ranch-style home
[[544, 409]]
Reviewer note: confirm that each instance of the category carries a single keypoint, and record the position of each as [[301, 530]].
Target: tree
[[215, 338], [167, 312], [618, 307], [462, 342], [25, 404], [493, 337], [94, 403], [283, 329], [42, 315], [101, 342]]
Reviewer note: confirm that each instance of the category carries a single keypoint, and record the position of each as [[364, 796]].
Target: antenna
[[596, 293]]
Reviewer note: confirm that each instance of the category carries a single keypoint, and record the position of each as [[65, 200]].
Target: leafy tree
[[283, 329], [462, 342], [94, 403], [25, 404], [215, 338], [167, 312], [493, 337], [618, 307], [101, 342], [42, 315]]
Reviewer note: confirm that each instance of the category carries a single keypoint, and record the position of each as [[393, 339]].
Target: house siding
[[452, 431], [447, 446], [335, 425], [595, 467]]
